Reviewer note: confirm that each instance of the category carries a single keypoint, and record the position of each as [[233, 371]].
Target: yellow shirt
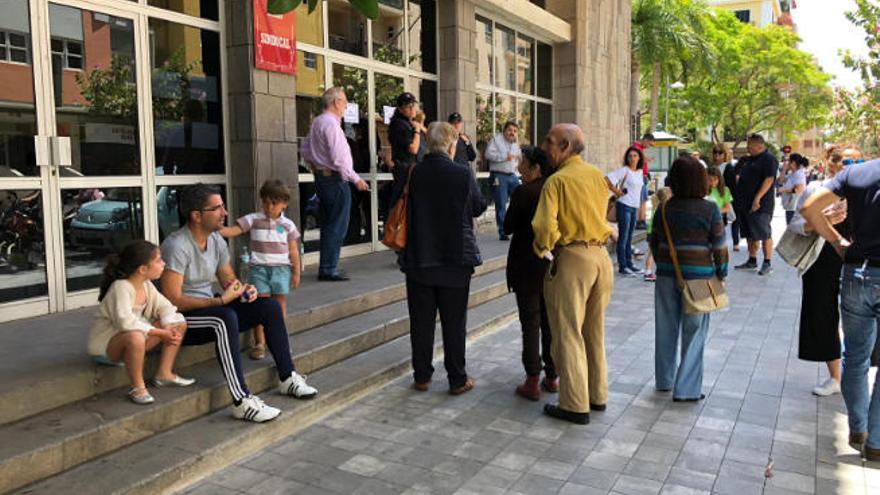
[[572, 208]]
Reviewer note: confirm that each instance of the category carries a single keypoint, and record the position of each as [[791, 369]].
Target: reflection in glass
[[18, 122], [427, 94], [543, 121], [186, 99], [505, 57], [97, 222], [388, 32], [504, 111], [387, 89], [485, 127], [347, 28], [93, 78], [422, 27], [524, 119], [310, 27], [206, 9], [525, 64], [309, 88], [485, 67], [22, 246], [167, 208], [545, 70]]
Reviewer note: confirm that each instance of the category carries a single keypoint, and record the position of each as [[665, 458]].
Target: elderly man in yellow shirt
[[571, 230]]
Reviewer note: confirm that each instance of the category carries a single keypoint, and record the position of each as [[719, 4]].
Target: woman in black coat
[[440, 255], [525, 275]]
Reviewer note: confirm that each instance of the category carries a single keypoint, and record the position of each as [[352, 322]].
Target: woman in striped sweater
[[698, 237]]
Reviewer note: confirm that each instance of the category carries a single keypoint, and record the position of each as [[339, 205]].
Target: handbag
[[394, 231], [699, 296], [798, 250], [611, 211]]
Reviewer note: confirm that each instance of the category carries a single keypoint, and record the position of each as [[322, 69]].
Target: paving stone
[[594, 478], [631, 485], [363, 465], [533, 484]]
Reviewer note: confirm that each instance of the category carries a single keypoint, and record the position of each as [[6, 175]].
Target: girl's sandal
[[258, 351], [139, 398]]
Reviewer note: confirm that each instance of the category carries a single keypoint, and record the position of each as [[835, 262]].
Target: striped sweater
[[698, 235]]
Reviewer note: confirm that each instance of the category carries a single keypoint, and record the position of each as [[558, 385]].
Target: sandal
[[258, 351], [140, 399]]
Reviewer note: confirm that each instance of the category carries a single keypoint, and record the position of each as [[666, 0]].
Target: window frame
[[9, 47]]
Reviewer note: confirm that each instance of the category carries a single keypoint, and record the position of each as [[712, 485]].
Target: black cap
[[454, 117], [406, 98]]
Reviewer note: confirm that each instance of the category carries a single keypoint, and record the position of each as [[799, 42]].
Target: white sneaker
[[296, 386], [252, 408], [828, 387]]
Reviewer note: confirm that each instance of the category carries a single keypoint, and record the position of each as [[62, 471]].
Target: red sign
[[786, 149], [274, 40]]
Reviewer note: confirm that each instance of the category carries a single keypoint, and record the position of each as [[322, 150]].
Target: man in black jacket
[[440, 255], [405, 137], [464, 150]]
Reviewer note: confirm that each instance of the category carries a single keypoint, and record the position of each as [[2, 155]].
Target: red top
[[641, 147]]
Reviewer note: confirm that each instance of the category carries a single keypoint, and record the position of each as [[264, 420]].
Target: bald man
[[571, 231]]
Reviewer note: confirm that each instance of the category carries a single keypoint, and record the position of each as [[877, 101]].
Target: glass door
[[25, 269]]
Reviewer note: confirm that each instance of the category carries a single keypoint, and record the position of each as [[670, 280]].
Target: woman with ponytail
[[134, 317]]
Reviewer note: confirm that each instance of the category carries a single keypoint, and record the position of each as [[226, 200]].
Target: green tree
[[758, 81], [667, 37], [857, 112], [370, 8]]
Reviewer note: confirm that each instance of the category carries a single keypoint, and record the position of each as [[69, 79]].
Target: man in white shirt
[[503, 155]]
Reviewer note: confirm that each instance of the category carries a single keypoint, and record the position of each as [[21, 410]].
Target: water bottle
[[244, 265]]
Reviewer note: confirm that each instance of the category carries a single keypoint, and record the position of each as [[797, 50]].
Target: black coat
[[444, 199], [525, 271], [464, 152]]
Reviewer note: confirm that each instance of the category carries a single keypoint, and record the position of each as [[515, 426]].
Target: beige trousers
[[577, 290]]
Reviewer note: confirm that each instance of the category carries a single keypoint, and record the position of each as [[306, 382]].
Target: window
[[310, 61], [13, 47], [68, 52], [743, 15], [422, 27]]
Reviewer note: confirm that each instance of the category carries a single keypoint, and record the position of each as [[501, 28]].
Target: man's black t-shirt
[[401, 134], [860, 185], [754, 173]]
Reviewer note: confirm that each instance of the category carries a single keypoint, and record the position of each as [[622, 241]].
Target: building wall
[[762, 12]]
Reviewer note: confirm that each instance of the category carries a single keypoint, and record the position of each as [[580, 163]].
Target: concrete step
[[57, 440], [31, 387], [170, 461]]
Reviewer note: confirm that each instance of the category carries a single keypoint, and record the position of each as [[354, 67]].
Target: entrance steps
[[349, 338]]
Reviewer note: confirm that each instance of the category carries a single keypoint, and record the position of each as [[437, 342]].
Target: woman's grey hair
[[331, 95], [441, 136]]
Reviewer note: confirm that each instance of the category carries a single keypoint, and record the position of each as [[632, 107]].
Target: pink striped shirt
[[270, 239]]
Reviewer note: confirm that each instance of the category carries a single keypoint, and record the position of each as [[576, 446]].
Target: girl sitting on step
[[134, 317]]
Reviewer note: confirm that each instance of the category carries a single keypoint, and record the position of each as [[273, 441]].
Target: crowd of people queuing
[[558, 264]]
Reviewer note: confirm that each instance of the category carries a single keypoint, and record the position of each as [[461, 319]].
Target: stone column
[[591, 75], [262, 118], [457, 64]]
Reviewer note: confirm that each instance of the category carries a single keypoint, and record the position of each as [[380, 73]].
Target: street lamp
[[675, 85]]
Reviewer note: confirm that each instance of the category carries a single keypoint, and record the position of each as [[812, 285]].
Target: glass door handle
[[43, 149], [61, 151]]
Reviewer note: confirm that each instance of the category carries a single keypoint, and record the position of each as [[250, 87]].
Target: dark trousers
[[424, 301], [626, 226], [734, 227], [535, 334], [335, 207], [222, 325]]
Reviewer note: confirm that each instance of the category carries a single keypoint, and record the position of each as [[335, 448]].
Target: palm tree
[[667, 36]]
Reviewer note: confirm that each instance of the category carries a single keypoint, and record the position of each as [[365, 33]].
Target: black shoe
[[766, 269], [641, 225], [597, 407], [336, 277], [574, 417], [503, 237], [748, 265], [676, 399]]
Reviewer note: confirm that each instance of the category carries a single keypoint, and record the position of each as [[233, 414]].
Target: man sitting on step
[[196, 255]]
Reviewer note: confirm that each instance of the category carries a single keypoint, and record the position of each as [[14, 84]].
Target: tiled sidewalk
[[758, 409]]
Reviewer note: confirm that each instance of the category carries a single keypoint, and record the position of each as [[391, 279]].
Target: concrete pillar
[[457, 64], [262, 118], [591, 75]]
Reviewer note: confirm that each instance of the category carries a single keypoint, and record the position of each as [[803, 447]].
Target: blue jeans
[[670, 320], [860, 313], [335, 207], [626, 225], [501, 194]]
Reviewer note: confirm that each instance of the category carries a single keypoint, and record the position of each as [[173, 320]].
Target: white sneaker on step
[[828, 387], [252, 408], [296, 386]]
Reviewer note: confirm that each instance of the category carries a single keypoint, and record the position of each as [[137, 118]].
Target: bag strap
[[672, 253], [409, 172]]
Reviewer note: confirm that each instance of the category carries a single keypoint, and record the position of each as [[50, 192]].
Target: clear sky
[[824, 30]]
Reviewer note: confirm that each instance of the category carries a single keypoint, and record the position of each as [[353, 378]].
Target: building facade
[[108, 108], [760, 13]]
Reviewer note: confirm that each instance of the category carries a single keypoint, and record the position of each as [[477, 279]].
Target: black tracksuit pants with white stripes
[[222, 325]]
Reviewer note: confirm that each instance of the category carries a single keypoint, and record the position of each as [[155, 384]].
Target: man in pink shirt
[[329, 156]]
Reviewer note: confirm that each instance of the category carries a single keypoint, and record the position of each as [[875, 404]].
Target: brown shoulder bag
[[394, 234]]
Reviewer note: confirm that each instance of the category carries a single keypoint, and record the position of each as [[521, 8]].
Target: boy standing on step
[[274, 254], [196, 256]]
